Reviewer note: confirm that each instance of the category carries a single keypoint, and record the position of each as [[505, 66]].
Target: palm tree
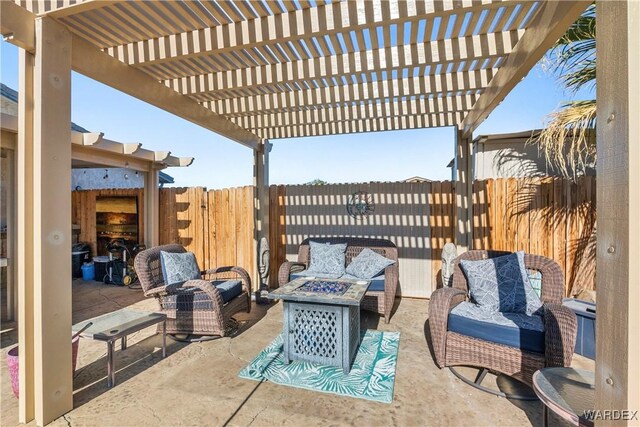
[[568, 141]]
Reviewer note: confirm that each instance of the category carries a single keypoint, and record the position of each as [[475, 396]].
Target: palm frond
[[573, 57], [568, 141]]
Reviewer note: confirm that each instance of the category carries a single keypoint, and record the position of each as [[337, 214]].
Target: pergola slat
[[369, 125], [299, 24], [274, 63], [389, 59], [363, 111]]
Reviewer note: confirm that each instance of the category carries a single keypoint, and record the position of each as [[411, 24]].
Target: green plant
[[568, 141]]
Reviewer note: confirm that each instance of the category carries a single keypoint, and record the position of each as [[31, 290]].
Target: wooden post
[[152, 207], [618, 207], [24, 236], [261, 199], [44, 226], [464, 186]]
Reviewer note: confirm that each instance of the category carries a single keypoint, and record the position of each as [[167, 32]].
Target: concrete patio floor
[[197, 384]]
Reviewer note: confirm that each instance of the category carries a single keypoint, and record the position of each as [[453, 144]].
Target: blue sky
[[220, 162]]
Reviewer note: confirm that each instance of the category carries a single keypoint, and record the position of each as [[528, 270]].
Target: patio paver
[[197, 383]]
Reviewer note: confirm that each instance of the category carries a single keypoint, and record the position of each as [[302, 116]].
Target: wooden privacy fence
[[216, 225], [546, 216], [553, 217]]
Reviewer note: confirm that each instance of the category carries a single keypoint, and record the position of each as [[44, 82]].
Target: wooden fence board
[[549, 216]]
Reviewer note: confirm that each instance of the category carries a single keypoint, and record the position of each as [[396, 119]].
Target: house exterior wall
[[508, 159], [94, 179]]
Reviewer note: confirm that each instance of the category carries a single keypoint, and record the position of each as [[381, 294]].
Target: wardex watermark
[[610, 415]]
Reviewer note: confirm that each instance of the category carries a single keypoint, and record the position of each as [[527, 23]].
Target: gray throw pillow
[[368, 264], [327, 259], [178, 268], [501, 284]]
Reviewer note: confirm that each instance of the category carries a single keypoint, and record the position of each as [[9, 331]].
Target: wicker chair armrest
[[440, 304], [286, 269], [160, 291], [239, 271], [561, 327], [391, 274]]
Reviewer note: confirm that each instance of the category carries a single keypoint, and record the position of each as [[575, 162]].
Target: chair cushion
[[368, 264], [501, 284], [189, 299], [511, 329], [177, 268], [327, 259], [229, 289], [376, 285]]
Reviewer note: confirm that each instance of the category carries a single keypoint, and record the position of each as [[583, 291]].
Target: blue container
[[88, 271], [586, 313]]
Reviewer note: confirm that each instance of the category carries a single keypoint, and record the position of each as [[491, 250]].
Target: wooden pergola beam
[[93, 63], [74, 7], [17, 25], [318, 21], [388, 59], [548, 25]]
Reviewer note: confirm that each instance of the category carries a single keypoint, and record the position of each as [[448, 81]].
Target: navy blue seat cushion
[[191, 299], [511, 329], [229, 289], [377, 283]]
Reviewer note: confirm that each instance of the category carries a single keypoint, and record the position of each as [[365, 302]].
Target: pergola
[[263, 70]]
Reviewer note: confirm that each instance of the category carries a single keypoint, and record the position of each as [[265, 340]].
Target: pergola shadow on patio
[[256, 72], [204, 377]]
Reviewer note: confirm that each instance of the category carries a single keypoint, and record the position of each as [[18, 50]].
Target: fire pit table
[[321, 320]]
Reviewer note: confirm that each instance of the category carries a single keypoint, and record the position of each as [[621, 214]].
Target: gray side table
[[321, 327], [567, 392], [117, 325]]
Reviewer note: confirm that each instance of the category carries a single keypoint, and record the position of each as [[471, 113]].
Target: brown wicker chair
[[454, 349], [201, 312], [378, 302]]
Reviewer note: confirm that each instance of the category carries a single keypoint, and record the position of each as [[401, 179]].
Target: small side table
[[567, 392], [117, 325]]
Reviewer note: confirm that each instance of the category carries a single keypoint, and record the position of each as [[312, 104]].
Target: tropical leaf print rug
[[372, 374]]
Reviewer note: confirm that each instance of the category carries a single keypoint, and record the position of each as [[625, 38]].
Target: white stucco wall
[[94, 179]]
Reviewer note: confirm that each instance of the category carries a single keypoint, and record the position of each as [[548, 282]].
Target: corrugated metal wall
[[401, 215]]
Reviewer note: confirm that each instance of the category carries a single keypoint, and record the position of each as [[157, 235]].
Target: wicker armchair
[[455, 349], [377, 301], [200, 311]]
